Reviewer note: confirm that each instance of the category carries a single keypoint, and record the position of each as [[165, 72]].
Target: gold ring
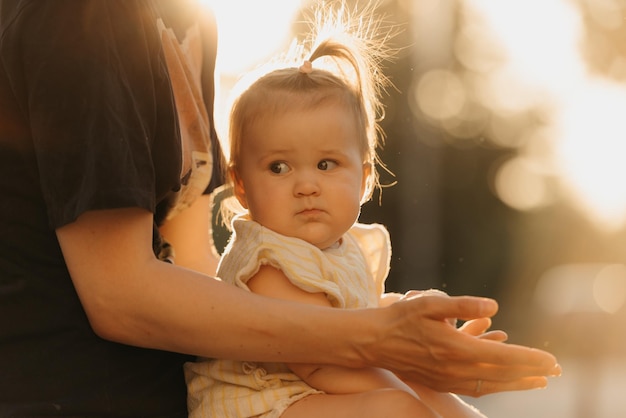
[[479, 385]]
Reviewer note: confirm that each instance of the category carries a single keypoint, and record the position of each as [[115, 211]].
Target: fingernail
[[556, 371], [489, 305], [541, 384]]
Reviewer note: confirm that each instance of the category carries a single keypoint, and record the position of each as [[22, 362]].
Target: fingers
[[496, 335], [477, 388], [468, 358], [463, 307], [434, 292], [470, 307], [488, 351], [413, 293], [478, 328], [462, 378]]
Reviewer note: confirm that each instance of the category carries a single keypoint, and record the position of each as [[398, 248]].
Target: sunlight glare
[[591, 149], [250, 31], [541, 39]]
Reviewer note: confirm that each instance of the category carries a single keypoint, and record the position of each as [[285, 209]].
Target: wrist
[[368, 329]]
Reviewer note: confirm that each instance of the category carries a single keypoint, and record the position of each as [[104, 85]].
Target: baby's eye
[[279, 167], [326, 165]]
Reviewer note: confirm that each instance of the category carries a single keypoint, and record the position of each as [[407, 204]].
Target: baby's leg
[[372, 404], [446, 404]]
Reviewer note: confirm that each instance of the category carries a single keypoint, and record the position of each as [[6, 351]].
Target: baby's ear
[[366, 182], [238, 188]]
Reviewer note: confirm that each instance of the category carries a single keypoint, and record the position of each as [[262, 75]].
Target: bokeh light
[[440, 94], [520, 186], [609, 288], [580, 288], [524, 60]]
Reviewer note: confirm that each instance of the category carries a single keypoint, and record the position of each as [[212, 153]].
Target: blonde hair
[[339, 62]]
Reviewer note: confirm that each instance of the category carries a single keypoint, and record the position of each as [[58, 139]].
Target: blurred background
[[506, 134]]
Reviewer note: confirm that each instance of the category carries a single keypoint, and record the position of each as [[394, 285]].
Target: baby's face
[[302, 174]]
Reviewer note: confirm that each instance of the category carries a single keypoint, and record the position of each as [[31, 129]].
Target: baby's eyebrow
[[276, 151], [333, 151], [272, 154]]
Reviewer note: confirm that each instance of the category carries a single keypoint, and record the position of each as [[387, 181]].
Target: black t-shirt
[[87, 121]]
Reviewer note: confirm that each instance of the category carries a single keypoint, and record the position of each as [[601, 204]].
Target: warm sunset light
[[542, 65], [250, 31], [524, 54], [592, 146], [506, 133]]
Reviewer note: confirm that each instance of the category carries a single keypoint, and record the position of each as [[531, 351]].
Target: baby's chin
[[327, 244], [322, 244], [316, 234]]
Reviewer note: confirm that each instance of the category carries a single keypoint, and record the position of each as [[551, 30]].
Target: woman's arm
[[133, 298]]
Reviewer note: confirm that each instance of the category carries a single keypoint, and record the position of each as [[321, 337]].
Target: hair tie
[[306, 67]]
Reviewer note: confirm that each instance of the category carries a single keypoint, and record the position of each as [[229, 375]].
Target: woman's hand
[[421, 346], [480, 328]]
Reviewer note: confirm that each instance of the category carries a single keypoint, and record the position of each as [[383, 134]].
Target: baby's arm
[[272, 282]]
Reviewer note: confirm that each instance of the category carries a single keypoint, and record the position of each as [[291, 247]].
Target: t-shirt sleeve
[[99, 106], [253, 246], [375, 244]]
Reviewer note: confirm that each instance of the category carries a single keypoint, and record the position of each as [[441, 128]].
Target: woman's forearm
[[202, 316], [133, 298]]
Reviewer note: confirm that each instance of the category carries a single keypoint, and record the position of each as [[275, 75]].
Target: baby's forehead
[[276, 99], [278, 104]]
